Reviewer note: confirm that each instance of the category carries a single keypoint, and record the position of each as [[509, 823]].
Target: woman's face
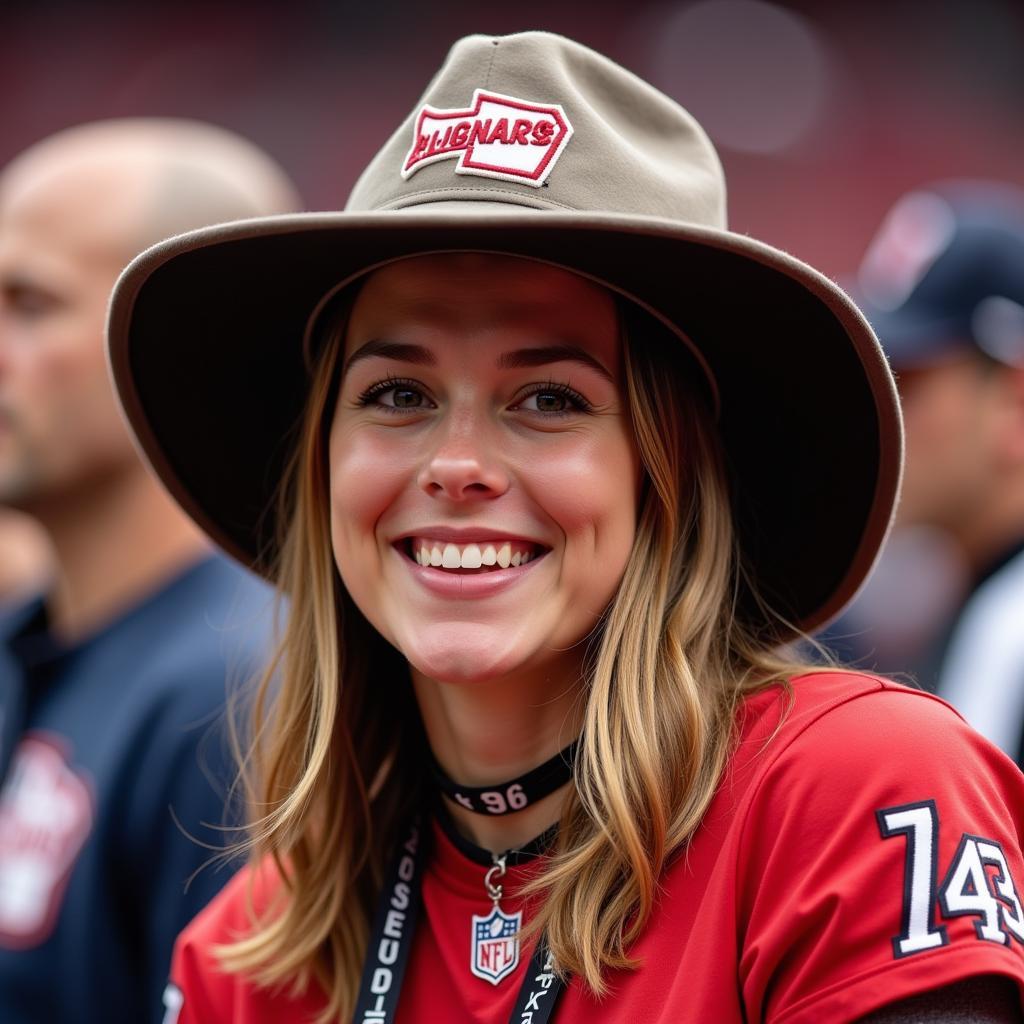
[[483, 472]]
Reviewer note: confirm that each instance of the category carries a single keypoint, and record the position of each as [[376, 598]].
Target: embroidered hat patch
[[497, 137]]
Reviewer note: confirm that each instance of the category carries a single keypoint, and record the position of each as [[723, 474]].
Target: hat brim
[[206, 349]]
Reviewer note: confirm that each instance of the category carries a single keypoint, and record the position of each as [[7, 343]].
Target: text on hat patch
[[498, 137]]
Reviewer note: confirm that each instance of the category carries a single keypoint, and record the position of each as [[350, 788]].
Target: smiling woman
[[566, 465], [463, 443]]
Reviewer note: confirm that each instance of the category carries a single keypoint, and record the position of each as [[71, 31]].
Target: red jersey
[[866, 850]]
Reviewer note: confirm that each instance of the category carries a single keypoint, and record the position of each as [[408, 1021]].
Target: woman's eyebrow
[[517, 359], [529, 357], [392, 350]]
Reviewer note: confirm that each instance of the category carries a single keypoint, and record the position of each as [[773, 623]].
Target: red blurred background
[[823, 113]]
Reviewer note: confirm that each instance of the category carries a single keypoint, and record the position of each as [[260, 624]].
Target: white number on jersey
[[920, 824], [968, 889]]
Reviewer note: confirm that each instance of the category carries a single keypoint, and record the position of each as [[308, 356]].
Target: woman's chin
[[461, 659]]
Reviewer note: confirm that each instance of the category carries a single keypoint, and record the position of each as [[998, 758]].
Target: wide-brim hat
[[533, 146]]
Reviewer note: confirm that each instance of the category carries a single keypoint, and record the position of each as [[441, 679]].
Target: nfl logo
[[495, 946]]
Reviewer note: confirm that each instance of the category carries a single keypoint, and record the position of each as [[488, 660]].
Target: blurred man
[[25, 557], [111, 686], [943, 285]]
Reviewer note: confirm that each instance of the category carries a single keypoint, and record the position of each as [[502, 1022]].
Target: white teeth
[[471, 558], [445, 555]]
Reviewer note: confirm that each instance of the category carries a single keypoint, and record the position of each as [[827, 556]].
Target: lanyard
[[394, 925]]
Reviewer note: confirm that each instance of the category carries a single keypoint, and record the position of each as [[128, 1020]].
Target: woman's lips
[[470, 582]]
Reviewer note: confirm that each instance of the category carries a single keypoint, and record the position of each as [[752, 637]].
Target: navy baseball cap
[[945, 274]]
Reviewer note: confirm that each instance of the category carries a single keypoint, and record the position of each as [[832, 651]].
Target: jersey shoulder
[[834, 700], [877, 853], [203, 989], [852, 718], [215, 623], [855, 733], [191, 646]]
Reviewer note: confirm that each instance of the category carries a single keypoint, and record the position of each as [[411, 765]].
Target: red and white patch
[[497, 137], [46, 813]]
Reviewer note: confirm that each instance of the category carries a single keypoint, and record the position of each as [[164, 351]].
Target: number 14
[[965, 891]]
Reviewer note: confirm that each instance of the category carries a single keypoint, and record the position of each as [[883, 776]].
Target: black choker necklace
[[516, 794]]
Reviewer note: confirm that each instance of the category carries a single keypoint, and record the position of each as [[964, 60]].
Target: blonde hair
[[332, 774]]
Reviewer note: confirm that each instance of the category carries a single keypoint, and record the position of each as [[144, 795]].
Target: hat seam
[[495, 43], [481, 191]]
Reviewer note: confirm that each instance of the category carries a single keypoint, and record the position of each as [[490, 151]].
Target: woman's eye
[[546, 401], [554, 400], [394, 395], [400, 398]]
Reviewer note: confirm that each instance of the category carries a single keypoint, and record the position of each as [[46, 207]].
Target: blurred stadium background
[[823, 112]]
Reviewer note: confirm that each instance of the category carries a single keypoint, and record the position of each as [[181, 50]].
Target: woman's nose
[[464, 464]]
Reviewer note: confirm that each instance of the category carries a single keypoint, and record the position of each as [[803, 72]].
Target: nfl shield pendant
[[495, 944]]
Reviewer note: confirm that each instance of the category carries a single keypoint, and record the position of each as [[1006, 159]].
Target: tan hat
[[535, 146]]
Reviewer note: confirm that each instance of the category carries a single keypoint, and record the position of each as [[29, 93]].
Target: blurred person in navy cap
[[112, 683], [943, 285]]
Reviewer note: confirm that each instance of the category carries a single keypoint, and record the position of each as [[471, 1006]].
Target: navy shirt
[[113, 753]]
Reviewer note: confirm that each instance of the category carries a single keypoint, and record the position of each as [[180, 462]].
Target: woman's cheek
[[590, 491], [366, 479]]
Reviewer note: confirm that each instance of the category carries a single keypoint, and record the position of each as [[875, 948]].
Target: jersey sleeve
[[881, 858]]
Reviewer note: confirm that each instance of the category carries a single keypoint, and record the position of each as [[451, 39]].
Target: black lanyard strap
[[394, 925], [540, 989], [391, 940], [516, 794]]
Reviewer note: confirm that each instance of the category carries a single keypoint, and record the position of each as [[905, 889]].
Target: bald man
[[111, 685]]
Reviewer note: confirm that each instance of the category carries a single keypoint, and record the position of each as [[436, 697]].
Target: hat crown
[[609, 142]]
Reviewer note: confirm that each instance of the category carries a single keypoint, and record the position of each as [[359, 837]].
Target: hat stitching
[[490, 64], [403, 200]]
